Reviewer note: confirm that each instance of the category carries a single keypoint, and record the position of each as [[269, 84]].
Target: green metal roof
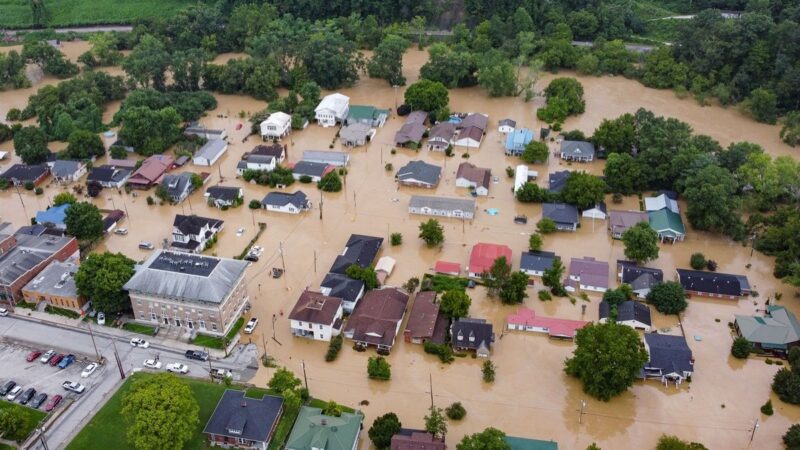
[[518, 443], [776, 330], [363, 112], [315, 430], [667, 221]]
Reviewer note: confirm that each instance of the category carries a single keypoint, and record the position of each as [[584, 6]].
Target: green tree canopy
[[616, 135], [378, 368], [641, 243], [100, 279], [535, 242], [387, 60], [148, 62], [552, 277], [436, 423], [668, 297], [84, 145], [431, 232], [30, 144], [712, 201], [455, 303], [84, 221], [624, 174], [283, 380], [535, 152], [64, 197], [583, 190], [427, 95], [382, 430], [763, 105], [666, 442], [488, 439], [11, 422], [150, 131], [365, 274], [792, 437]]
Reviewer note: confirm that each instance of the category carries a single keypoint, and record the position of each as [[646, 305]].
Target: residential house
[[471, 130], [517, 140], [65, 171], [518, 443], [526, 320], [522, 176], [476, 178], [180, 162], [376, 319], [599, 211], [419, 174], [192, 292], [534, 263], [441, 136], [122, 163], [775, 333], [713, 284], [264, 163], [53, 217], [277, 151], [447, 268], [640, 279], [384, 268], [341, 286], [360, 250], [284, 202], [210, 152], [178, 186], [407, 439], [630, 313], [506, 126], [580, 151], [196, 129], [355, 135], [484, 255], [670, 358], [556, 181], [316, 316], [336, 159], [459, 208], [192, 233], [313, 170], [410, 134], [367, 115], [276, 126], [667, 224], [224, 196], [620, 221], [56, 286], [565, 216], [109, 176], [313, 430], [425, 321], [333, 109], [472, 334], [150, 172], [243, 422], [21, 174], [587, 274], [660, 202], [111, 220]]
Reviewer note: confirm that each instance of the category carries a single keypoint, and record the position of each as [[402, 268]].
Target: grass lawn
[[204, 340], [6, 447], [139, 328], [61, 312], [31, 418], [17, 13], [442, 283]]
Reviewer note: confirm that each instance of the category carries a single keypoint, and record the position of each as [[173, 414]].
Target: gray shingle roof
[[577, 148], [226, 193], [557, 180], [212, 149], [360, 250], [479, 329], [640, 277], [421, 171], [296, 198], [538, 261], [343, 287], [309, 168], [249, 418], [442, 203], [560, 212], [626, 311], [63, 168], [671, 354]]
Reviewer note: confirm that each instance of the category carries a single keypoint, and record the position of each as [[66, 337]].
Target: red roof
[[449, 268], [556, 327], [483, 256]]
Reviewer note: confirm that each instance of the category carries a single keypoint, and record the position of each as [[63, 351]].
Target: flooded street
[[532, 396]]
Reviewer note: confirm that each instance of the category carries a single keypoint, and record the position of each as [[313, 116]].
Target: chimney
[[243, 404]]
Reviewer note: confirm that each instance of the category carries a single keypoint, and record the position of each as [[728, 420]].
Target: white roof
[[522, 174], [3, 155], [661, 202], [386, 264], [338, 103], [280, 119]]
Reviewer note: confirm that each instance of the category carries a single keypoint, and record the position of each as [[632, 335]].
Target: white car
[[220, 374], [251, 325], [73, 386], [101, 318], [121, 231], [177, 368], [3, 312], [13, 393], [152, 364], [46, 357], [89, 370], [137, 342]]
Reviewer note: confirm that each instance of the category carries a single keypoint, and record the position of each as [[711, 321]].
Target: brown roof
[[151, 170], [416, 440], [443, 130], [620, 221], [422, 319], [376, 317], [474, 133], [409, 132], [478, 175], [475, 120], [315, 307]]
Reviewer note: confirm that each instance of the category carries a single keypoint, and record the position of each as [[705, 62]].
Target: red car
[[54, 401], [56, 359], [33, 355]]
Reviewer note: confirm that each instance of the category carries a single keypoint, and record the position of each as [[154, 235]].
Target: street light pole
[[94, 344], [119, 362]]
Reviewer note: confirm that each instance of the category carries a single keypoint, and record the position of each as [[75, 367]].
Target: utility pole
[[209, 365], [320, 204], [315, 261], [430, 383], [91, 334], [283, 263], [753, 434], [188, 199], [355, 204], [119, 362], [583, 407], [42, 438], [305, 378]]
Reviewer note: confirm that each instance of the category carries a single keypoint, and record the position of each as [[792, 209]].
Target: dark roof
[[511, 123], [113, 217], [315, 307], [243, 417], [194, 224], [560, 212], [424, 315], [577, 148], [310, 168], [478, 328], [557, 180], [417, 117], [408, 439], [639, 277], [343, 287], [420, 170], [670, 354], [275, 150], [538, 261], [108, 174], [24, 172], [476, 120], [472, 132], [360, 250], [177, 184], [478, 175], [376, 317], [670, 194], [65, 168], [443, 130], [410, 132], [710, 282], [297, 198], [227, 193], [628, 310]]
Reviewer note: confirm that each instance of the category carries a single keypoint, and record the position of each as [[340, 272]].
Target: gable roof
[[443, 203], [478, 175], [479, 329], [664, 220], [619, 221], [671, 354], [537, 261], [212, 149], [562, 328], [243, 417], [227, 193], [710, 282], [377, 316], [355, 131], [24, 172], [360, 250], [484, 255], [560, 212], [314, 307], [626, 311], [65, 168], [519, 138], [447, 267], [314, 430], [152, 169], [108, 174], [420, 171], [479, 121], [507, 122], [178, 184], [639, 277], [661, 202], [417, 117], [410, 132], [335, 102], [407, 439], [326, 157], [296, 198], [557, 180], [54, 215], [472, 132], [590, 271], [314, 169], [577, 148], [778, 328], [279, 119], [342, 286], [194, 224], [443, 130], [274, 150], [424, 315], [365, 112]]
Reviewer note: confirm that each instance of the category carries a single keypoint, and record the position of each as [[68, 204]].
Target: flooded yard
[[532, 396]]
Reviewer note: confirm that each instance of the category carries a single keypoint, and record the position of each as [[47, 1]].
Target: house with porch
[[587, 274], [441, 136], [333, 109], [65, 171], [667, 224], [775, 332], [224, 196], [150, 172], [412, 131], [109, 176], [517, 140], [284, 202], [483, 257], [243, 422], [641, 279], [277, 151], [313, 170], [451, 207], [178, 186], [377, 318], [316, 316], [579, 151], [192, 233], [506, 126], [670, 358], [263, 163], [276, 126], [629, 313], [470, 334], [565, 216]]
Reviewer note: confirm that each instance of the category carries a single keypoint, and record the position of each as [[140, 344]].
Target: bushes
[[697, 261], [333, 348], [766, 408], [544, 296], [741, 348], [443, 351], [378, 368], [396, 238], [488, 371], [546, 226], [254, 204], [455, 411]]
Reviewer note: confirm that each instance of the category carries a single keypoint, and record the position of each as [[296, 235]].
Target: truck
[[73, 386]]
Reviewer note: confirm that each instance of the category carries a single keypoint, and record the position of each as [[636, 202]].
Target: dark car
[[54, 401], [7, 387], [69, 359], [33, 355], [56, 359], [26, 396], [197, 354], [40, 398]]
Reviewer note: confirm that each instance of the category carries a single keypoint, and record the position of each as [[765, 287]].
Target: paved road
[[86, 29], [78, 341]]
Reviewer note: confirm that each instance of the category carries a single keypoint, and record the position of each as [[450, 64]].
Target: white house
[[506, 126], [332, 109], [476, 178], [316, 316], [284, 202], [210, 152], [191, 233], [523, 175], [256, 162], [629, 313], [276, 126], [68, 171], [599, 211]]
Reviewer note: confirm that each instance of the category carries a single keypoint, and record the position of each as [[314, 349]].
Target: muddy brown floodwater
[[532, 396]]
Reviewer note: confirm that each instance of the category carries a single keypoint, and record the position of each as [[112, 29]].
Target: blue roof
[[54, 215], [519, 138]]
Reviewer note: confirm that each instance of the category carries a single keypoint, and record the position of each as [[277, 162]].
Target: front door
[[177, 322], [166, 320], [190, 324]]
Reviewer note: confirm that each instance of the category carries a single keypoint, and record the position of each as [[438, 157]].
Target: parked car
[[121, 231], [47, 356], [37, 401], [55, 360], [33, 355], [73, 386], [144, 245], [54, 401], [13, 393], [197, 354], [3, 312], [177, 368], [26, 396], [89, 370], [220, 374], [101, 318], [137, 342], [69, 359], [251, 325], [7, 387], [152, 364]]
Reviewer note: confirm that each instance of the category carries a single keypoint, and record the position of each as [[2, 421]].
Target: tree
[[697, 261], [790, 131], [435, 423], [615, 297], [11, 422], [641, 243], [552, 277], [63, 198], [616, 135], [427, 95], [497, 275], [30, 144], [411, 285], [498, 78], [84, 221], [766, 408], [387, 60], [100, 279], [661, 71], [382, 430], [763, 105], [147, 63], [453, 68], [583, 190], [531, 193], [331, 182], [514, 289], [607, 359], [332, 409], [455, 411], [330, 59], [564, 98], [396, 239], [283, 380], [488, 371], [161, 412], [365, 274], [149, 131], [455, 303], [535, 152], [431, 232], [535, 242], [792, 438], [666, 442], [378, 368], [593, 446], [786, 383], [38, 13], [546, 225], [624, 174], [488, 439], [741, 348], [84, 145], [254, 204], [668, 297], [712, 201]]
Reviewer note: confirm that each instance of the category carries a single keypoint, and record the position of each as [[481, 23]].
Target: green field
[[31, 416], [205, 340], [17, 13], [139, 328]]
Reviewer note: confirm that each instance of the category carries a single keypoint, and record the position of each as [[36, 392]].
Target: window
[[320, 327], [213, 326], [202, 324], [153, 316]]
